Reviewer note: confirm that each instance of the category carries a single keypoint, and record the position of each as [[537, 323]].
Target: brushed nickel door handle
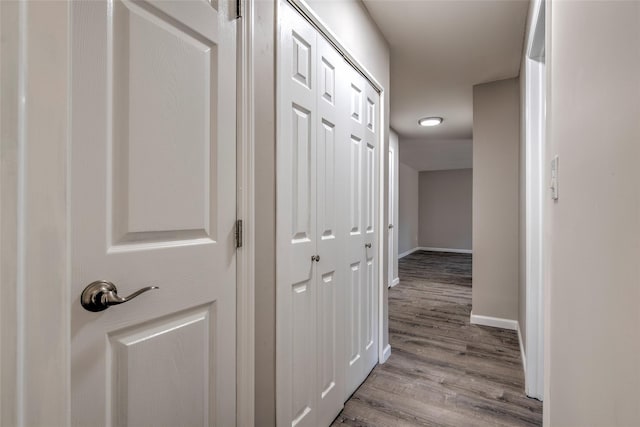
[[101, 294]]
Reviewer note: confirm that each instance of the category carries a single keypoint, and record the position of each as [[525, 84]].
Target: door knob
[[367, 245], [390, 226], [101, 294]]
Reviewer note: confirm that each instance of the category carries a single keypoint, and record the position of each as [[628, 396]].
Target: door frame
[[535, 126], [308, 14], [35, 121]]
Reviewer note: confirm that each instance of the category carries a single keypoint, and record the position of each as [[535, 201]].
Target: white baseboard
[[386, 353], [524, 357], [409, 252], [455, 251], [495, 322], [427, 248], [394, 282]]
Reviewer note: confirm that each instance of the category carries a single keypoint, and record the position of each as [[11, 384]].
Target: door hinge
[[239, 233], [238, 9]]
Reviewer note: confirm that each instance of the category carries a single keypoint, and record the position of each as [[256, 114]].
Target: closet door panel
[[327, 171], [370, 213], [330, 280], [355, 294], [297, 290]]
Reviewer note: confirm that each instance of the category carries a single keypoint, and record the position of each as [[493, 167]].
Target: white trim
[[409, 252], [386, 353], [394, 282], [425, 248], [245, 256], [451, 250], [382, 224], [34, 290], [535, 94], [494, 322], [522, 353]]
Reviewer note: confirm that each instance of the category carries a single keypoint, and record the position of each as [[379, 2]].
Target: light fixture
[[430, 121]]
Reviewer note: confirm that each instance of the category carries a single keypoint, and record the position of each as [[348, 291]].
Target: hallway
[[442, 370]]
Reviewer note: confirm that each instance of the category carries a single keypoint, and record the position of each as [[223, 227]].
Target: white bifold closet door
[[326, 322], [360, 257]]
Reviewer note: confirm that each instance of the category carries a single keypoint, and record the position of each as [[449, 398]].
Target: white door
[[326, 226], [309, 386], [296, 224], [330, 208], [371, 211], [153, 203], [361, 296]]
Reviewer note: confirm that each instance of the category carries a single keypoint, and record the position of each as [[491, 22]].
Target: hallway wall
[[496, 200], [351, 23], [408, 207], [592, 298], [445, 209]]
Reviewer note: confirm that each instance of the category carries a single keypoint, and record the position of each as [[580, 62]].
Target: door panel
[[301, 178], [329, 279], [153, 200], [371, 212], [155, 355], [326, 212], [302, 353], [297, 288], [149, 51], [354, 296], [355, 184], [362, 295], [369, 185]]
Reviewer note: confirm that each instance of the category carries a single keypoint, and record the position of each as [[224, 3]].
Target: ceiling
[[439, 50]]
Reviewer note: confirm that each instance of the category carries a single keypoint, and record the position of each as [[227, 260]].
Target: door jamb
[[34, 289], [535, 202], [245, 255]]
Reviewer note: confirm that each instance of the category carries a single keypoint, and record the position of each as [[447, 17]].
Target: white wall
[[437, 154], [408, 208], [496, 200], [445, 209], [351, 23], [592, 297]]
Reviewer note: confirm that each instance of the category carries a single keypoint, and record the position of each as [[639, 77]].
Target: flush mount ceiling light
[[430, 121]]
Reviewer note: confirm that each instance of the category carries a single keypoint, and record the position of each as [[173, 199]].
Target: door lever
[[101, 294], [367, 245]]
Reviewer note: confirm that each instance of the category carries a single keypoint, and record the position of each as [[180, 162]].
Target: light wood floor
[[442, 370]]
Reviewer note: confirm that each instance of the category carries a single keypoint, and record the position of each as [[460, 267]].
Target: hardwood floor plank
[[443, 371]]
